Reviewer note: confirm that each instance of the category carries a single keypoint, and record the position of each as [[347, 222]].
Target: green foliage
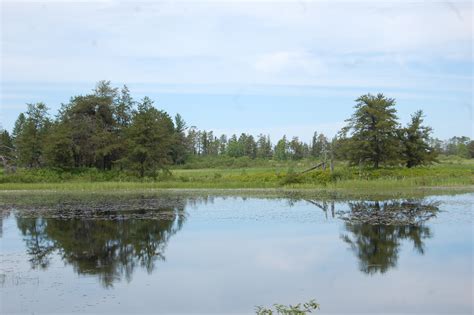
[[281, 149], [451, 171], [59, 147], [470, 147], [149, 140], [107, 130], [179, 147], [373, 129], [29, 134], [298, 309], [415, 142], [6, 145], [291, 178], [264, 147]]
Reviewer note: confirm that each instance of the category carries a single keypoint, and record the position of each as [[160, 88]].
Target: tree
[[281, 150], [222, 145], [59, 147], [373, 129], [91, 120], [471, 149], [296, 148], [415, 142], [29, 134], [179, 149], [150, 139], [192, 140], [6, 144], [457, 146], [264, 147], [123, 108], [319, 145], [250, 146], [104, 89], [234, 148]]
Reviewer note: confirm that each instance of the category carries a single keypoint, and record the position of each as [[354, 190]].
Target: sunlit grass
[[449, 173]]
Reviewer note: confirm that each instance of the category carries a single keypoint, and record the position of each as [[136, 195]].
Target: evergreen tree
[[373, 129], [150, 139], [314, 146], [471, 149], [296, 148], [234, 147], [6, 145], [415, 142], [179, 149], [204, 143], [30, 131], [123, 108], [93, 129], [281, 150], [192, 140], [264, 147], [59, 146], [250, 147], [223, 145]]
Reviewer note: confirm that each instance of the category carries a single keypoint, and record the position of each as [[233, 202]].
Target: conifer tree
[[373, 131]]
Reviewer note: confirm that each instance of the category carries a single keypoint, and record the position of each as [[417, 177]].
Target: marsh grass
[[448, 173]]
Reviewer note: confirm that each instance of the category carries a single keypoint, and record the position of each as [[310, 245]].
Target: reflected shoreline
[[111, 238]]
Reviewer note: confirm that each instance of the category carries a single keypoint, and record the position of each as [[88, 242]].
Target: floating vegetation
[[391, 212], [298, 309]]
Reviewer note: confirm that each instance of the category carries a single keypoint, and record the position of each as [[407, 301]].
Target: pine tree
[[415, 142], [179, 149], [150, 140], [281, 150], [29, 134], [373, 131]]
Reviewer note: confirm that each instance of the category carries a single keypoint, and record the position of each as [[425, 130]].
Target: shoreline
[[323, 193]]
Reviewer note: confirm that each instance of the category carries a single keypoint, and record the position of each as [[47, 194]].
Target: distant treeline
[[109, 129]]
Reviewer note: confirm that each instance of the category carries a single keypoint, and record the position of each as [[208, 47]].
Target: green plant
[[298, 309]]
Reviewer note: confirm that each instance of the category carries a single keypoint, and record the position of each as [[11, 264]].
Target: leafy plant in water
[[298, 309]]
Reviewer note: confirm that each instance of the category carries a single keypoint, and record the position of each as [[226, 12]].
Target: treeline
[[109, 129], [204, 143]]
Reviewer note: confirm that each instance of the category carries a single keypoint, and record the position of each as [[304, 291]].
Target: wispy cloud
[[420, 51]]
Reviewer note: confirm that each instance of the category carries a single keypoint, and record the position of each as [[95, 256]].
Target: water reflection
[[377, 246], [376, 230], [110, 246], [110, 240]]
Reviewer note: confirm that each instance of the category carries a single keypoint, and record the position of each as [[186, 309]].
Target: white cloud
[[284, 61], [280, 43]]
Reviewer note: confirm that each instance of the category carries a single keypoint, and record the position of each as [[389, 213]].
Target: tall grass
[[287, 175]]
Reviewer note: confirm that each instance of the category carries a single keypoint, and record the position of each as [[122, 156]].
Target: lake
[[228, 254]]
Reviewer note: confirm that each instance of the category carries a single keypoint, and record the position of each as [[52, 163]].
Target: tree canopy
[[107, 129]]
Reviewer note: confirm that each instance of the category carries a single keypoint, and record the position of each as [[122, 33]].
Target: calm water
[[227, 255]]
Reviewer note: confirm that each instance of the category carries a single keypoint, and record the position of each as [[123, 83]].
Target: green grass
[[450, 172]]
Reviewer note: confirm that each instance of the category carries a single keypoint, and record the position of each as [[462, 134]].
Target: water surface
[[191, 254]]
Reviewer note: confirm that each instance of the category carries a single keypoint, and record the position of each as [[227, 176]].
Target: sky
[[287, 67]]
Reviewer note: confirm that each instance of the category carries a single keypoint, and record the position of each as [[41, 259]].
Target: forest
[[108, 130]]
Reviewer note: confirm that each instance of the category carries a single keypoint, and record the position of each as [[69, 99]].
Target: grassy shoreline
[[296, 193], [448, 175]]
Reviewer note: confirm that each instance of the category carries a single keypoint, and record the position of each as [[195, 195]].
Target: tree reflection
[[106, 244], [378, 228]]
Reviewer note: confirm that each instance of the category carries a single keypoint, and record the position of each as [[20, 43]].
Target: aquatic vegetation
[[298, 309]]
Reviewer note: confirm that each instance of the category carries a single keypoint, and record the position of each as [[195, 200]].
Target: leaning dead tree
[[326, 161]]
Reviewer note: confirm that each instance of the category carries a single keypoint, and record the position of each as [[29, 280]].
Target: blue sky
[[259, 67]]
